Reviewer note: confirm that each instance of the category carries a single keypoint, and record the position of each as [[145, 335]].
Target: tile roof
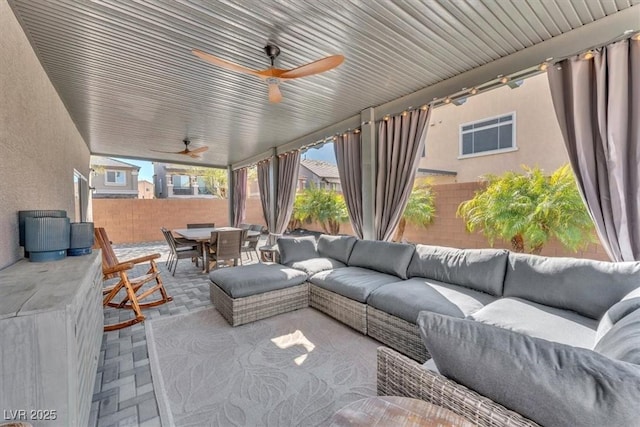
[[108, 161], [320, 168]]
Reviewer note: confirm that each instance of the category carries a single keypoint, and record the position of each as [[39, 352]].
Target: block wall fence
[[140, 220]]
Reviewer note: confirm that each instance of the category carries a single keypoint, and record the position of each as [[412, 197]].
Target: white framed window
[[181, 181], [488, 136], [114, 177]]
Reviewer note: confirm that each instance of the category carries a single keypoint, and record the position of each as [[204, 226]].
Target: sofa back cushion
[[336, 247], [550, 383], [385, 257], [478, 269], [294, 249], [585, 286]]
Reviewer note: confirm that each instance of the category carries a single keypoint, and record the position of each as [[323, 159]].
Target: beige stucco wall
[[538, 137], [39, 143]]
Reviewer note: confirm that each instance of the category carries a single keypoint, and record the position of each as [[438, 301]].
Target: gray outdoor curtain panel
[[400, 142], [265, 194], [239, 196], [288, 166], [597, 103], [349, 158]]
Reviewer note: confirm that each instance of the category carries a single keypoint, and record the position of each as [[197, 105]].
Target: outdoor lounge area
[[179, 311]]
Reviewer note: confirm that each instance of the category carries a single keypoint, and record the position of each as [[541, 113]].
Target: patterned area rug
[[295, 369]]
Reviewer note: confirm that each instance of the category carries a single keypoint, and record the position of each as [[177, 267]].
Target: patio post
[[273, 190], [369, 154], [230, 195]]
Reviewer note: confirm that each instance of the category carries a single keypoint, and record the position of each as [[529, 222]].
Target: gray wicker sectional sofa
[[515, 339]]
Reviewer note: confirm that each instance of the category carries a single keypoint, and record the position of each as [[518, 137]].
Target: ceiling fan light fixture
[[275, 95]]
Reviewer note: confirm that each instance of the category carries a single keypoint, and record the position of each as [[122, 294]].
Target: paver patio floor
[[123, 394]]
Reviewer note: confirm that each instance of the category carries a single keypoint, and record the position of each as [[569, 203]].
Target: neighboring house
[[495, 131], [320, 174], [145, 189], [113, 179], [176, 181]]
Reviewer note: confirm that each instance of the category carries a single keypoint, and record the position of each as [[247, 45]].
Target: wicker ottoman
[[248, 293]]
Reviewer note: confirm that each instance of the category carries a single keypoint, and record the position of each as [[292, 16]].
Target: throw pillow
[[550, 383], [626, 305], [622, 341], [294, 249], [385, 257], [336, 247]]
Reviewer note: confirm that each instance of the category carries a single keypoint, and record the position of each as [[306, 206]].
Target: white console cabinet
[[51, 322]]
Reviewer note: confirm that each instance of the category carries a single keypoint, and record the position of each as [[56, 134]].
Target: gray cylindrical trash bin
[[46, 238]]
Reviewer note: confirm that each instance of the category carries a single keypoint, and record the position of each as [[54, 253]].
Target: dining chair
[[250, 245], [180, 243], [180, 251], [225, 246], [257, 227], [202, 225]]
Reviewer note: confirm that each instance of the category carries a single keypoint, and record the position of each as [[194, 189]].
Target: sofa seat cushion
[[550, 383], [247, 280], [352, 282], [316, 265], [540, 321], [407, 298], [479, 269], [385, 257]]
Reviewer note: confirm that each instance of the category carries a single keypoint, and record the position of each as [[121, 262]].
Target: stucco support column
[[369, 153], [169, 185], [193, 182], [230, 193]]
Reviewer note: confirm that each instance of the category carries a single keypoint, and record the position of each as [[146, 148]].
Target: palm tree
[[529, 209], [420, 209], [326, 207]]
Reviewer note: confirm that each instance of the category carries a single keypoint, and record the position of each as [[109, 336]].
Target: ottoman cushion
[[244, 281]]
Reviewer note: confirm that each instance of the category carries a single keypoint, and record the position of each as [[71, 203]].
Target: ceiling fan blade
[[171, 152], [319, 66], [198, 150], [275, 95], [224, 64]]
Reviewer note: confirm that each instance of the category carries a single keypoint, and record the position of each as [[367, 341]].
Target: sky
[[324, 152]]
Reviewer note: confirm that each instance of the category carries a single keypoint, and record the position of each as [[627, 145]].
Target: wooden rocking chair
[[111, 268]]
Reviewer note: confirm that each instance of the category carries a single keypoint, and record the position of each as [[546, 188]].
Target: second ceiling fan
[[273, 75]]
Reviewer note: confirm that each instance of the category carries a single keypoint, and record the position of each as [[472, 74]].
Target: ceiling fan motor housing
[[272, 52]]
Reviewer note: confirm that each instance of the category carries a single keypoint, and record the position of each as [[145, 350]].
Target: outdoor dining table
[[203, 235]]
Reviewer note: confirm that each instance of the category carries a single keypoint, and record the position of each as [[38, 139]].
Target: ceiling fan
[[194, 153], [273, 75]]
